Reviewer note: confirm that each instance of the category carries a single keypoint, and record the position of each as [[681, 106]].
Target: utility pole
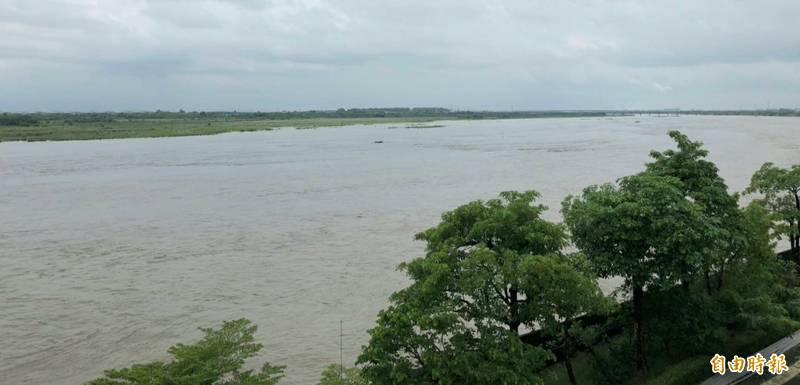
[[341, 344]]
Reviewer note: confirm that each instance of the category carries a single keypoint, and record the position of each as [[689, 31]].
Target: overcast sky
[[271, 55]]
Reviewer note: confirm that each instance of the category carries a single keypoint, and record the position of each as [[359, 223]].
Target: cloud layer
[[303, 54]]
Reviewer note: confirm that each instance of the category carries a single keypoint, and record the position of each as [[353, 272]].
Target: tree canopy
[[459, 320], [336, 374], [644, 230], [217, 359], [702, 184], [780, 191]]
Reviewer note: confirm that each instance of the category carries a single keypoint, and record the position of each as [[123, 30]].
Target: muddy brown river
[[111, 251]]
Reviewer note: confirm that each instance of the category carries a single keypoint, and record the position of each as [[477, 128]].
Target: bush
[[335, 374], [22, 120], [216, 359], [689, 371], [616, 366]]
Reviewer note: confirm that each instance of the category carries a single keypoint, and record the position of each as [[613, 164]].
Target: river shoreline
[[37, 127]]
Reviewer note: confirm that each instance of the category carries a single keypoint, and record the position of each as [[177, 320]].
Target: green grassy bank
[[153, 128], [110, 125]]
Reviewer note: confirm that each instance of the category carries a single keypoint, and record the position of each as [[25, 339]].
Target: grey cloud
[[295, 54]]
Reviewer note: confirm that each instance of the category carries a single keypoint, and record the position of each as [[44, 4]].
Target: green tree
[[564, 290], [335, 374], [459, 320], [763, 293], [701, 182], [215, 360], [644, 230], [780, 190]]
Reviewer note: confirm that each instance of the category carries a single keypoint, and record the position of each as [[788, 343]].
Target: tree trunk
[[513, 316], [599, 360], [638, 325], [796, 199], [570, 372], [796, 246], [794, 242], [568, 350]]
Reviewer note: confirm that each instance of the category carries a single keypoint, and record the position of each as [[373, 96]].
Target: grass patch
[[689, 371], [664, 371], [585, 374], [154, 128]]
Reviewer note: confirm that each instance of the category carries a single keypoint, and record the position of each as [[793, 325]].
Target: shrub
[[335, 374], [689, 371], [216, 359]]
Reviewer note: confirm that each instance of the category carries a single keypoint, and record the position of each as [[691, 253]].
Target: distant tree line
[[767, 112], [352, 113], [30, 119], [21, 120]]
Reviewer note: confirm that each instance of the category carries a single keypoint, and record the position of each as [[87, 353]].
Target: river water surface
[[111, 251]]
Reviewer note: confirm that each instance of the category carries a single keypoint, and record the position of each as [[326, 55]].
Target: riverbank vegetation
[[779, 189], [504, 296], [216, 359], [153, 128], [112, 125], [41, 126], [699, 277]]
